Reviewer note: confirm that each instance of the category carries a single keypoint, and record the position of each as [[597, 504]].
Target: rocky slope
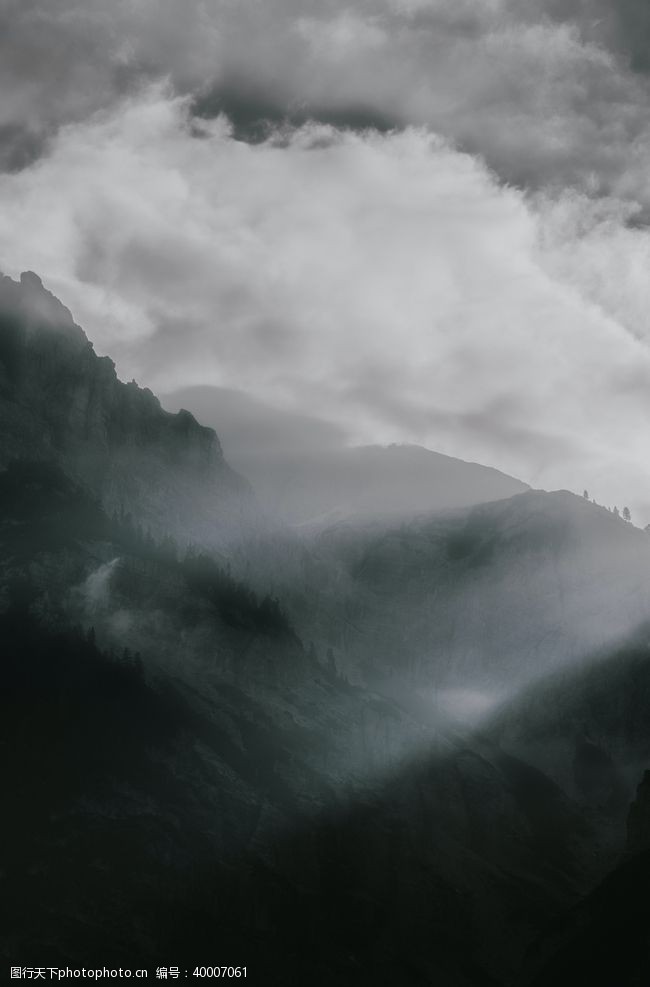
[[61, 402]]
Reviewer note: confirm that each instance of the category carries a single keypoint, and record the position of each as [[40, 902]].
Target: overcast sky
[[418, 220]]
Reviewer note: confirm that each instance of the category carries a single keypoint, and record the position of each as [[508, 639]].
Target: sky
[[415, 220]]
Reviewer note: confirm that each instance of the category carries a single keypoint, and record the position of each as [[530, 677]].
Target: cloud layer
[[385, 282], [420, 220], [547, 92]]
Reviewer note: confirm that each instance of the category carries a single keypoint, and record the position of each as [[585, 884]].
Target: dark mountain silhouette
[[61, 402], [443, 874], [303, 471], [604, 940], [155, 819], [236, 759], [195, 769], [55, 540]]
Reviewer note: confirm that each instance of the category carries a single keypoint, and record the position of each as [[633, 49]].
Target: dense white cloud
[[594, 245], [387, 283]]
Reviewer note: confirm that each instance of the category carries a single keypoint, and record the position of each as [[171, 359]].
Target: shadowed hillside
[[252, 749], [588, 727], [61, 402]]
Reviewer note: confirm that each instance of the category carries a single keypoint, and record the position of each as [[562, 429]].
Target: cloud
[[595, 246], [545, 92], [386, 283]]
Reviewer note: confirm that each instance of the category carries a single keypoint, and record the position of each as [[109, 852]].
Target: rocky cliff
[[59, 401]]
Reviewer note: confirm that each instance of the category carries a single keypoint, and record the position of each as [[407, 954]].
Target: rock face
[[59, 401]]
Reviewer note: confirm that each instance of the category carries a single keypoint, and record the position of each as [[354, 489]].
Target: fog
[[303, 469], [96, 588]]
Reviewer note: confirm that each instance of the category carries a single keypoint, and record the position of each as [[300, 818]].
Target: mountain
[[463, 607], [252, 761], [303, 469], [587, 726], [443, 875], [60, 402], [603, 940], [175, 762]]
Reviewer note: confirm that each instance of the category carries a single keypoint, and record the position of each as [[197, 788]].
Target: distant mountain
[[302, 469], [59, 401]]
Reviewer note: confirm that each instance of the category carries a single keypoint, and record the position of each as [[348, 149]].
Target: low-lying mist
[[304, 469]]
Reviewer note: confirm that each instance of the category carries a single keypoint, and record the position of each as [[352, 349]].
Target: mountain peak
[[61, 402], [29, 303], [30, 279]]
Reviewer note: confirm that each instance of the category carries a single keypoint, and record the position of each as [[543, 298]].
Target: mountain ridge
[[303, 468], [60, 401], [176, 737]]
